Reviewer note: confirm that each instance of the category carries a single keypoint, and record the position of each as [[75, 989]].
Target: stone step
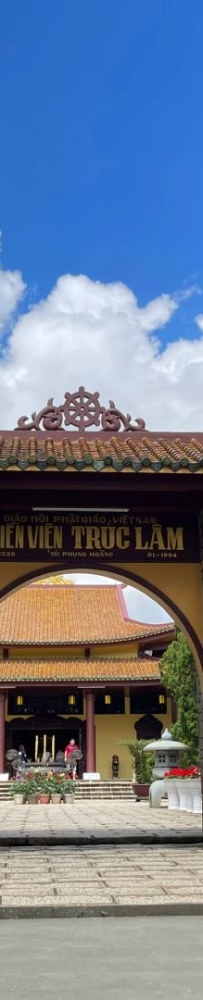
[[104, 790], [86, 790]]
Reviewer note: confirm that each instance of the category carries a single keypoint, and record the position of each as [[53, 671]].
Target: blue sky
[[101, 209], [101, 143]]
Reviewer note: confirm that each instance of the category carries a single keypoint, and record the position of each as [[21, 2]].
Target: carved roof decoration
[[119, 445], [82, 410]]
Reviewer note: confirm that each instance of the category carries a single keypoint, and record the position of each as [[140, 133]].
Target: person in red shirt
[[71, 749]]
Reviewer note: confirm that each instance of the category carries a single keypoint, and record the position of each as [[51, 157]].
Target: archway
[[178, 592], [51, 729]]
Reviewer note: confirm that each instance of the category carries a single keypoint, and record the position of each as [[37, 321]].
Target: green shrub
[[142, 763], [18, 788]]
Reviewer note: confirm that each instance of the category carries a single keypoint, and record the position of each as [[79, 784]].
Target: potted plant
[[43, 793], [56, 788], [31, 787], [142, 766], [171, 789], [196, 790], [18, 791], [183, 787], [69, 787]]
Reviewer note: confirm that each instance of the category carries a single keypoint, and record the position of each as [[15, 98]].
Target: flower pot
[[171, 789], [55, 797], [19, 799], [43, 798], [182, 792], [142, 791], [196, 795], [32, 799], [189, 797], [69, 798]]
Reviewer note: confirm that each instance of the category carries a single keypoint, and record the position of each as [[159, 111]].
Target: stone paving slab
[[102, 881], [99, 822]]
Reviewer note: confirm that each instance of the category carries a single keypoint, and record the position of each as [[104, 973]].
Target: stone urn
[[170, 786], [196, 795], [182, 790]]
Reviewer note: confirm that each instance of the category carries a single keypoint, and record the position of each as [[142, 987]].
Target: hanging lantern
[[161, 699], [71, 700], [107, 699], [19, 700]]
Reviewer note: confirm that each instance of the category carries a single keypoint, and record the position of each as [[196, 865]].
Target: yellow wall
[[50, 652], [112, 728]]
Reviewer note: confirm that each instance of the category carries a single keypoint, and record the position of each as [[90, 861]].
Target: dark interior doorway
[[20, 731]]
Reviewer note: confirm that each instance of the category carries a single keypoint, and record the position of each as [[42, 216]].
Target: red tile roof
[[142, 452], [74, 671], [68, 615]]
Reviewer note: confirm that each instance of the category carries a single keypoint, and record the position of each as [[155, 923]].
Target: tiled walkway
[[101, 879], [94, 819]]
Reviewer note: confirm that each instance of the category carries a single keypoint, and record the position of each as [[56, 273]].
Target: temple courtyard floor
[[99, 859], [89, 822]]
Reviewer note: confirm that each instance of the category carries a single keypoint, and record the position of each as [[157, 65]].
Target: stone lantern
[[167, 755]]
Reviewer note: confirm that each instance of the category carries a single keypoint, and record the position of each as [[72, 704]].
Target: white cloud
[[183, 294], [12, 288], [98, 335], [156, 314], [199, 321]]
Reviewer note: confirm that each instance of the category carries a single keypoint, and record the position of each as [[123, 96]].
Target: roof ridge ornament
[[82, 410]]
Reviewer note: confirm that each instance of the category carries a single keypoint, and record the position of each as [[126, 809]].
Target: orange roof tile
[[75, 671], [99, 452], [69, 615]]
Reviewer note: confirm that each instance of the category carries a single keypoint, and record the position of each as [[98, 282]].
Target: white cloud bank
[[199, 322], [89, 333], [12, 289]]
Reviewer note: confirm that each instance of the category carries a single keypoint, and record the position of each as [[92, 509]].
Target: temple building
[[74, 665]]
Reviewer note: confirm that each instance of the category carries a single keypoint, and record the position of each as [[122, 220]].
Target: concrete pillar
[[90, 747], [127, 700], [2, 729]]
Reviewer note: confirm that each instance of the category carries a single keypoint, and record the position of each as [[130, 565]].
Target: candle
[[36, 747], [53, 747], [44, 744]]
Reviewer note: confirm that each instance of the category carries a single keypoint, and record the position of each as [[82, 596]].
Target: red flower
[[183, 772]]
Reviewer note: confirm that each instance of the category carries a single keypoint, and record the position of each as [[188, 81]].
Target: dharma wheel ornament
[[81, 410]]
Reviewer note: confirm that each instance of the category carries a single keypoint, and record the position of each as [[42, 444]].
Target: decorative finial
[[81, 410]]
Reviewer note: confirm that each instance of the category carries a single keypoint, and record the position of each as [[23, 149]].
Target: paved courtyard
[[70, 859], [94, 820]]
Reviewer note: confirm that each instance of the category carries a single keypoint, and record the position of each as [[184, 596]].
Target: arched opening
[[148, 728], [134, 580], [146, 584]]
